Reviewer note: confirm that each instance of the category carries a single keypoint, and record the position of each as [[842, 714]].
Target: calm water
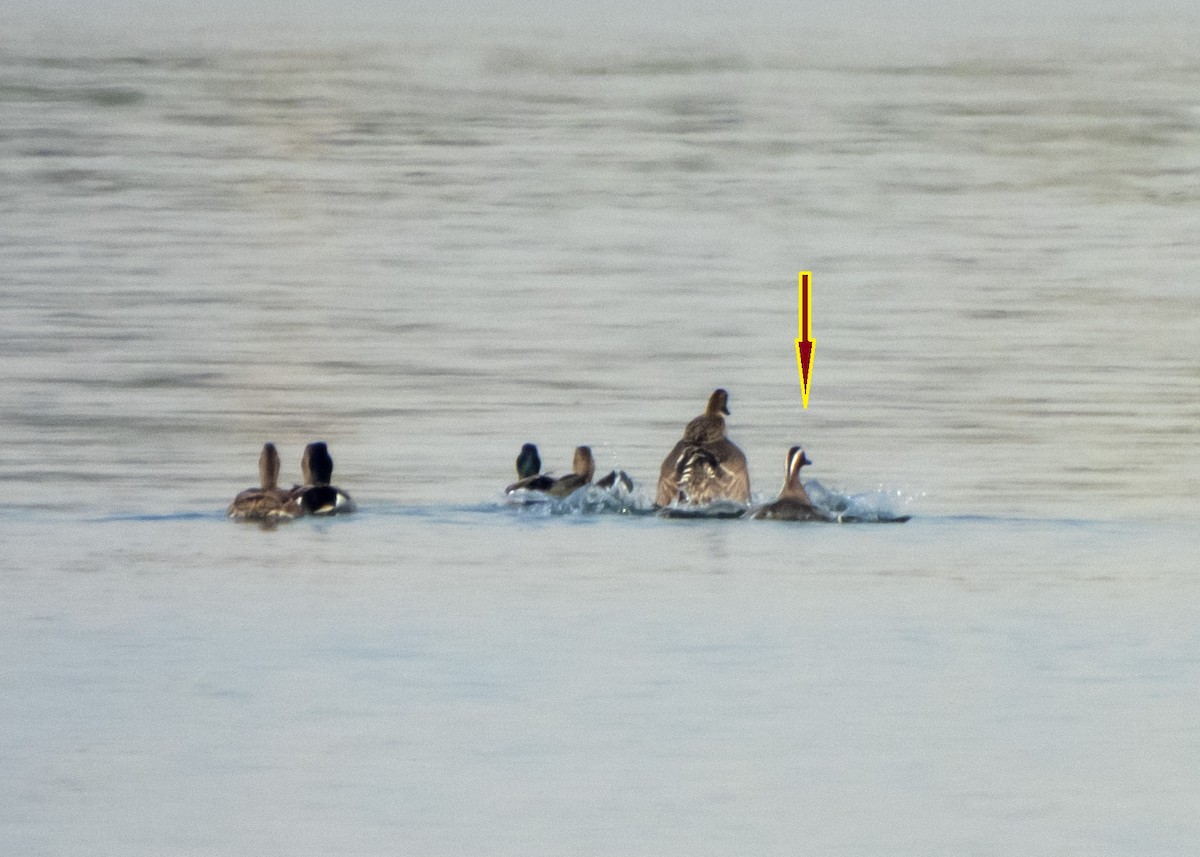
[[427, 246]]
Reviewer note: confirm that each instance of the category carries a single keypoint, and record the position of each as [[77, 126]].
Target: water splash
[[875, 507], [588, 500], [883, 505]]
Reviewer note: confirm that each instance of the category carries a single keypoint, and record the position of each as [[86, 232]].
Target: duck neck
[[268, 470], [584, 466], [792, 486]]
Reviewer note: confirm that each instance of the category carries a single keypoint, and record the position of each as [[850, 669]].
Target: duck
[[793, 503], [583, 468], [317, 496], [705, 466], [268, 501]]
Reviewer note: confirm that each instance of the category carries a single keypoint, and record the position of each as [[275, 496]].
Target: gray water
[[427, 245]]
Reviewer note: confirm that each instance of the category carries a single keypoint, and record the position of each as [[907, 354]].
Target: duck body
[[255, 504], [705, 466], [317, 496], [321, 500], [793, 503], [268, 501]]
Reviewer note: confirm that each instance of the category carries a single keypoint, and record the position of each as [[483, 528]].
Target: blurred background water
[[429, 241]]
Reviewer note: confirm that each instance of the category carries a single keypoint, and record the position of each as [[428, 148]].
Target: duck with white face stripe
[[793, 503]]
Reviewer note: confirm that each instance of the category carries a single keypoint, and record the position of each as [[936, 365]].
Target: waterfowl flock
[[704, 475]]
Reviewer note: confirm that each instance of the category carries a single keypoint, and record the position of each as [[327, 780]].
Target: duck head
[[718, 403], [317, 464], [529, 463], [796, 458]]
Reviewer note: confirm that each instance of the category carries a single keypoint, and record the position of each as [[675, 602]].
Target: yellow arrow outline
[[805, 335]]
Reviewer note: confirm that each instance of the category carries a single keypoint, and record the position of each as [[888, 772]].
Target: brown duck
[[705, 466], [267, 501], [793, 503], [582, 470]]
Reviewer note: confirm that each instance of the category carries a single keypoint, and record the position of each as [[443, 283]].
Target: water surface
[[428, 245]]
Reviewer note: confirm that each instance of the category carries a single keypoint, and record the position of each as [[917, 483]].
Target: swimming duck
[[317, 496], [705, 466], [267, 501], [583, 468], [793, 503]]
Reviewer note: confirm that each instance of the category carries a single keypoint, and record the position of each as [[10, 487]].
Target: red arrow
[[804, 342]]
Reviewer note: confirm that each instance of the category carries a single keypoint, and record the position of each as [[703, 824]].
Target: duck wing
[[705, 478], [617, 479], [540, 482], [735, 473], [567, 485], [668, 475]]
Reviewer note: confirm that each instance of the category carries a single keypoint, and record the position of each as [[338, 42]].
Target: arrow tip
[[804, 356]]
